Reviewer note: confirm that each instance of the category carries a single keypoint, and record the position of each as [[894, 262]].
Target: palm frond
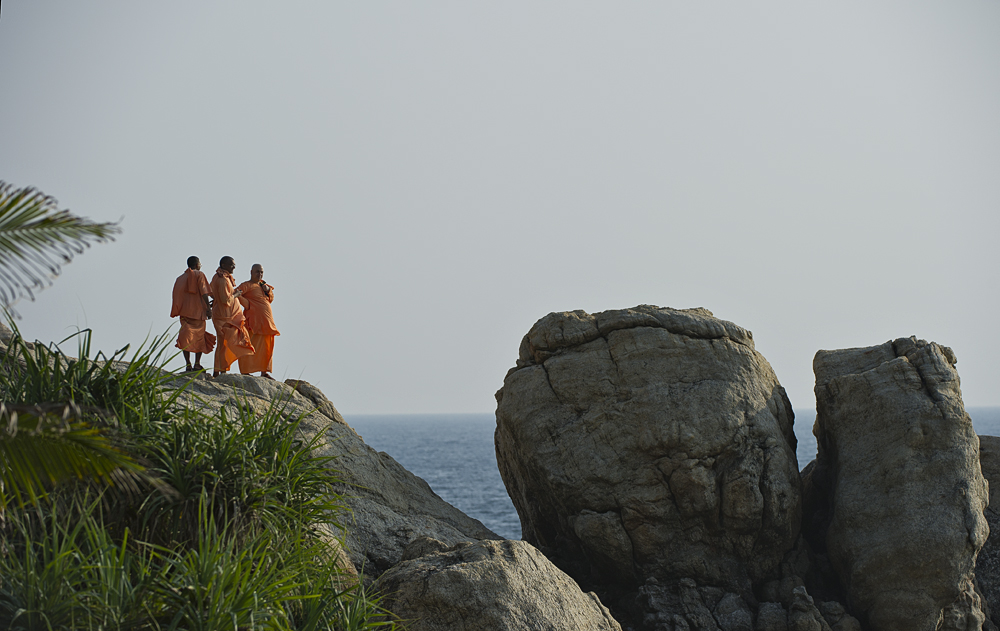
[[36, 239], [42, 445]]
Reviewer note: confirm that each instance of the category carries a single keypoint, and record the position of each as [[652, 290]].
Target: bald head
[[256, 272]]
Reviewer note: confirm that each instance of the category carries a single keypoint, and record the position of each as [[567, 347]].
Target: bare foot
[[266, 376]]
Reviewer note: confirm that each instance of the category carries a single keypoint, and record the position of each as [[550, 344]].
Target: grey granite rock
[[649, 442], [837, 617], [490, 586], [803, 615], [899, 484], [6, 334], [771, 617], [733, 614]]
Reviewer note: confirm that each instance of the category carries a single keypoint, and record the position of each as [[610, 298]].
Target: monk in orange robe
[[227, 316], [260, 323], [190, 302]]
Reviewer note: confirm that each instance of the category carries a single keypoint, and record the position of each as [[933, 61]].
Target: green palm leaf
[[36, 239], [42, 445]]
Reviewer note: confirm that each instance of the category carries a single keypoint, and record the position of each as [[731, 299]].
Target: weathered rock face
[[988, 562], [649, 442], [900, 485], [489, 586], [683, 605], [390, 506]]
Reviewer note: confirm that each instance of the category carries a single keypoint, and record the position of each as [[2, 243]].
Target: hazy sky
[[422, 181]]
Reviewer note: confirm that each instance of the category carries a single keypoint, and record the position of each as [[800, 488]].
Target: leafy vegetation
[[119, 510], [43, 443], [36, 238], [210, 521]]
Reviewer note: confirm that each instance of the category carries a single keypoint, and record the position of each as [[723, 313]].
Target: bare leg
[[187, 359], [197, 362]]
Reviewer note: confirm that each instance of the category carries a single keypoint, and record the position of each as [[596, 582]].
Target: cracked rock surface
[[488, 586], [898, 484], [649, 442]]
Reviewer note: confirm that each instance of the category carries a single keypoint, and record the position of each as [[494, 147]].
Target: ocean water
[[454, 454]]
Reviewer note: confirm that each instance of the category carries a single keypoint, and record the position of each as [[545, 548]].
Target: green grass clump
[[223, 523], [38, 373], [259, 475]]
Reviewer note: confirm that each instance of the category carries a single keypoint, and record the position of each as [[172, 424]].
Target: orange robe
[[190, 306], [227, 316], [260, 323]]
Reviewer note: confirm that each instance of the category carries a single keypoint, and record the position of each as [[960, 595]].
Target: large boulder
[[898, 486], [649, 443], [488, 586], [389, 506]]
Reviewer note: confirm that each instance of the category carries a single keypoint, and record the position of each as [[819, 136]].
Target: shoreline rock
[[650, 443], [488, 586], [897, 485]]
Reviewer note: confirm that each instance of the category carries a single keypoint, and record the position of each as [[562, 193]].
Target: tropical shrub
[[223, 526]]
